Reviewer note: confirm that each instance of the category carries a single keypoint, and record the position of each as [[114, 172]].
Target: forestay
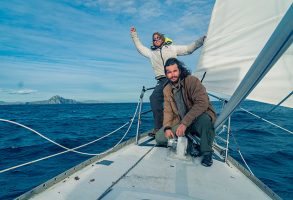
[[237, 33]]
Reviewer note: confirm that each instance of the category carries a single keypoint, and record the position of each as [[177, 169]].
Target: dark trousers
[[157, 101], [202, 126]]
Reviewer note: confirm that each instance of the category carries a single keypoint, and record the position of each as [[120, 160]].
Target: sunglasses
[[157, 39]]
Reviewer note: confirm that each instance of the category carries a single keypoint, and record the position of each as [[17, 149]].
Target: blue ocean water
[[267, 149]]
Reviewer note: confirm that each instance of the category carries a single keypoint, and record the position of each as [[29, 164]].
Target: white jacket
[[159, 56]]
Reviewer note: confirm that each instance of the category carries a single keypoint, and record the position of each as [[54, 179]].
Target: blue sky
[[82, 49]]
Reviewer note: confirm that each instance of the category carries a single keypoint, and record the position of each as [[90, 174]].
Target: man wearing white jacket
[[162, 49]]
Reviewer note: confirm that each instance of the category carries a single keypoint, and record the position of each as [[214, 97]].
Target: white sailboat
[[245, 39]]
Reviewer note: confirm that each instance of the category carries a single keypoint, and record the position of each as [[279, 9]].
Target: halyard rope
[[73, 149]]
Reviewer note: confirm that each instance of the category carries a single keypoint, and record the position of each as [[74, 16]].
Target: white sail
[[231, 48]]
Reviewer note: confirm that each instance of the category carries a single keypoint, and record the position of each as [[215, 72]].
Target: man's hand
[[181, 130], [132, 29], [169, 134]]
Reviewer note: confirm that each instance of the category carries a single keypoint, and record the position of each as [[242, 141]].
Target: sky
[[82, 49]]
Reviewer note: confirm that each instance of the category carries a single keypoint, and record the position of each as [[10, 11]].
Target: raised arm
[[189, 49], [139, 46]]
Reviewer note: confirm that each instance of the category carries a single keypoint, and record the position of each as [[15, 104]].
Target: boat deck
[[149, 172]]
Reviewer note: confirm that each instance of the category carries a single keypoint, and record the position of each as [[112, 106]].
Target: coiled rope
[[73, 149]]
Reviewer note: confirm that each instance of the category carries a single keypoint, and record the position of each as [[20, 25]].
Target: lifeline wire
[[266, 120], [238, 149], [131, 121], [67, 149], [46, 138], [53, 155]]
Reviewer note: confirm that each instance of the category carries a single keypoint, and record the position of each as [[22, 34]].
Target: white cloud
[[141, 9], [186, 2], [150, 9], [118, 6], [126, 6], [22, 91], [192, 22]]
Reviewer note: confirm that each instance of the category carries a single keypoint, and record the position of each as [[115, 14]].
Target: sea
[[267, 149]]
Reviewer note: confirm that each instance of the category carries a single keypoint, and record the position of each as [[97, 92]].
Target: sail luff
[[278, 43]]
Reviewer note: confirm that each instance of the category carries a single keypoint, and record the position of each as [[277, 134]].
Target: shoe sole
[[207, 165]]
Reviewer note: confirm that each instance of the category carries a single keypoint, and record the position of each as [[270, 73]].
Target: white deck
[[157, 176]]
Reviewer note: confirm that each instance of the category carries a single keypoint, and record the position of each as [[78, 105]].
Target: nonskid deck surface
[[148, 172]]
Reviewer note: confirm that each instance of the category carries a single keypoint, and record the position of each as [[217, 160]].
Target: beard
[[174, 79]]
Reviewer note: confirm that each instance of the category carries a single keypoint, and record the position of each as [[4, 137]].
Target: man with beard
[[187, 109]]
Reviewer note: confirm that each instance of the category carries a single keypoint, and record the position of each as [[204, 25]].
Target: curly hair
[[184, 72]]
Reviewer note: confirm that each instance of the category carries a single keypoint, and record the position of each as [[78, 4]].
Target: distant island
[[53, 100]]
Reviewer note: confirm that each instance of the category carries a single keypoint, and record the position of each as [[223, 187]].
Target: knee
[[204, 120], [203, 124]]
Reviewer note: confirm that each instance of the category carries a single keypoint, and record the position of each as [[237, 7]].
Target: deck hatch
[[105, 162]]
